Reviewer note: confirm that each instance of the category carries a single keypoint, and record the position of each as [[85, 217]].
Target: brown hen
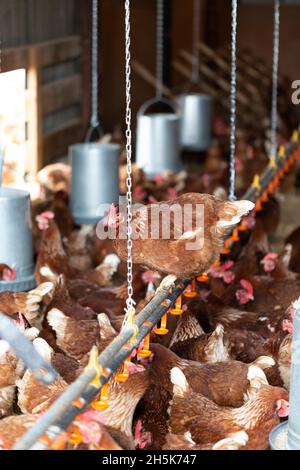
[[53, 261], [181, 253], [207, 422], [226, 383]]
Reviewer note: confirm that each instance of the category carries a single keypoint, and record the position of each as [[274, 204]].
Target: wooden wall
[[38, 24], [45, 38], [32, 21], [255, 30], [143, 14]]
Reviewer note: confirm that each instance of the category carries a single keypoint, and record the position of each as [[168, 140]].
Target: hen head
[[112, 218], [43, 219], [288, 326], [141, 438], [246, 294], [269, 262], [282, 408], [7, 273]]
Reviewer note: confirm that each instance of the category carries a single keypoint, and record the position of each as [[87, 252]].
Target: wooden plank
[[61, 93], [35, 147], [48, 53], [61, 70], [56, 145], [59, 51], [61, 119], [14, 58]]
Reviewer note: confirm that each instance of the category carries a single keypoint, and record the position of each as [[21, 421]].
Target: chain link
[[233, 86], [275, 77], [94, 119], [159, 47], [129, 302], [196, 36]]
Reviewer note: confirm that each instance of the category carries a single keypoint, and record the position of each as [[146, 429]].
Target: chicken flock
[[219, 379]]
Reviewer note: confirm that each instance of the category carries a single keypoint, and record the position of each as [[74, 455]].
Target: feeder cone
[[217, 263], [281, 151], [272, 162], [123, 376], [103, 403], [256, 183], [75, 437], [60, 442], [271, 188], [264, 197], [243, 228], [258, 206], [145, 351], [295, 136], [276, 181], [162, 330], [235, 235], [177, 310], [226, 249], [190, 291], [46, 440], [203, 277]]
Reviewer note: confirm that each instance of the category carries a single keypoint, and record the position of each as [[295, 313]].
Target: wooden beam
[[86, 24], [59, 51], [33, 112], [51, 52], [61, 93], [14, 58]]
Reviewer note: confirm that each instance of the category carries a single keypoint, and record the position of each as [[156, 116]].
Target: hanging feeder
[[94, 181], [196, 121], [158, 147], [196, 108], [95, 166], [16, 249]]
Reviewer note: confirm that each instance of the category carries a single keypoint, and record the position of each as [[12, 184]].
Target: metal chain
[[94, 119], [129, 302], [159, 47], [196, 36], [1, 143], [275, 77], [233, 86]]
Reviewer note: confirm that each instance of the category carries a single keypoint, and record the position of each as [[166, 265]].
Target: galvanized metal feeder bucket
[[196, 121], [158, 145], [16, 249], [286, 436], [94, 181]]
